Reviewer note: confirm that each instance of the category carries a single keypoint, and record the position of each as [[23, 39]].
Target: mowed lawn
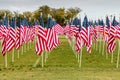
[[61, 64]]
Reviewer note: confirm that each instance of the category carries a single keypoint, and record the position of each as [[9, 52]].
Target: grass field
[[61, 65]]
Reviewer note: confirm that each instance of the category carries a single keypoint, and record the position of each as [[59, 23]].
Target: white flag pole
[[6, 60], [25, 47], [22, 50], [37, 61], [13, 55], [28, 46], [112, 57], [106, 54], [100, 44], [18, 53], [103, 48], [73, 46], [80, 61], [46, 56], [118, 55], [103, 41], [96, 45], [78, 57], [42, 59], [34, 41]]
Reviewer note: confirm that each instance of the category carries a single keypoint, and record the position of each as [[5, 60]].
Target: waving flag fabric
[[111, 37]]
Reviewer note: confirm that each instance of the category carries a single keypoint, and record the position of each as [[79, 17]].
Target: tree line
[[61, 15]]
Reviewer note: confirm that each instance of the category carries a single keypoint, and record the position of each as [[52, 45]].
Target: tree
[[61, 15], [58, 15], [45, 10], [3, 12], [27, 14], [71, 13]]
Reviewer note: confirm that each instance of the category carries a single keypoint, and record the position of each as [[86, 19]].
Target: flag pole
[[46, 56], [103, 41], [6, 60], [13, 55], [80, 57], [42, 60], [34, 41], [118, 55], [96, 45], [80, 61], [73, 46], [24, 47], [18, 54], [22, 50], [100, 44], [27, 46], [106, 54], [30, 44], [103, 48], [37, 61], [112, 57]]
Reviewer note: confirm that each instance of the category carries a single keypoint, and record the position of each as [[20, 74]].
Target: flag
[[111, 37], [5, 35], [11, 39], [86, 34], [118, 32], [41, 40], [18, 31], [49, 34], [78, 42], [58, 28], [11, 35]]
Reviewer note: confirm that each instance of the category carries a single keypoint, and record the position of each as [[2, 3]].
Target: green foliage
[[61, 15], [5, 12]]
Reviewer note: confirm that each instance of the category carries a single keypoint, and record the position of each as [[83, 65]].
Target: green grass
[[61, 65]]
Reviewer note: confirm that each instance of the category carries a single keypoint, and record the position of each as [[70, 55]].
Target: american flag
[[49, 39], [58, 29], [111, 37], [18, 33], [86, 34], [78, 42], [41, 39], [11, 39], [118, 32], [18, 38], [5, 38], [55, 37], [84, 31]]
